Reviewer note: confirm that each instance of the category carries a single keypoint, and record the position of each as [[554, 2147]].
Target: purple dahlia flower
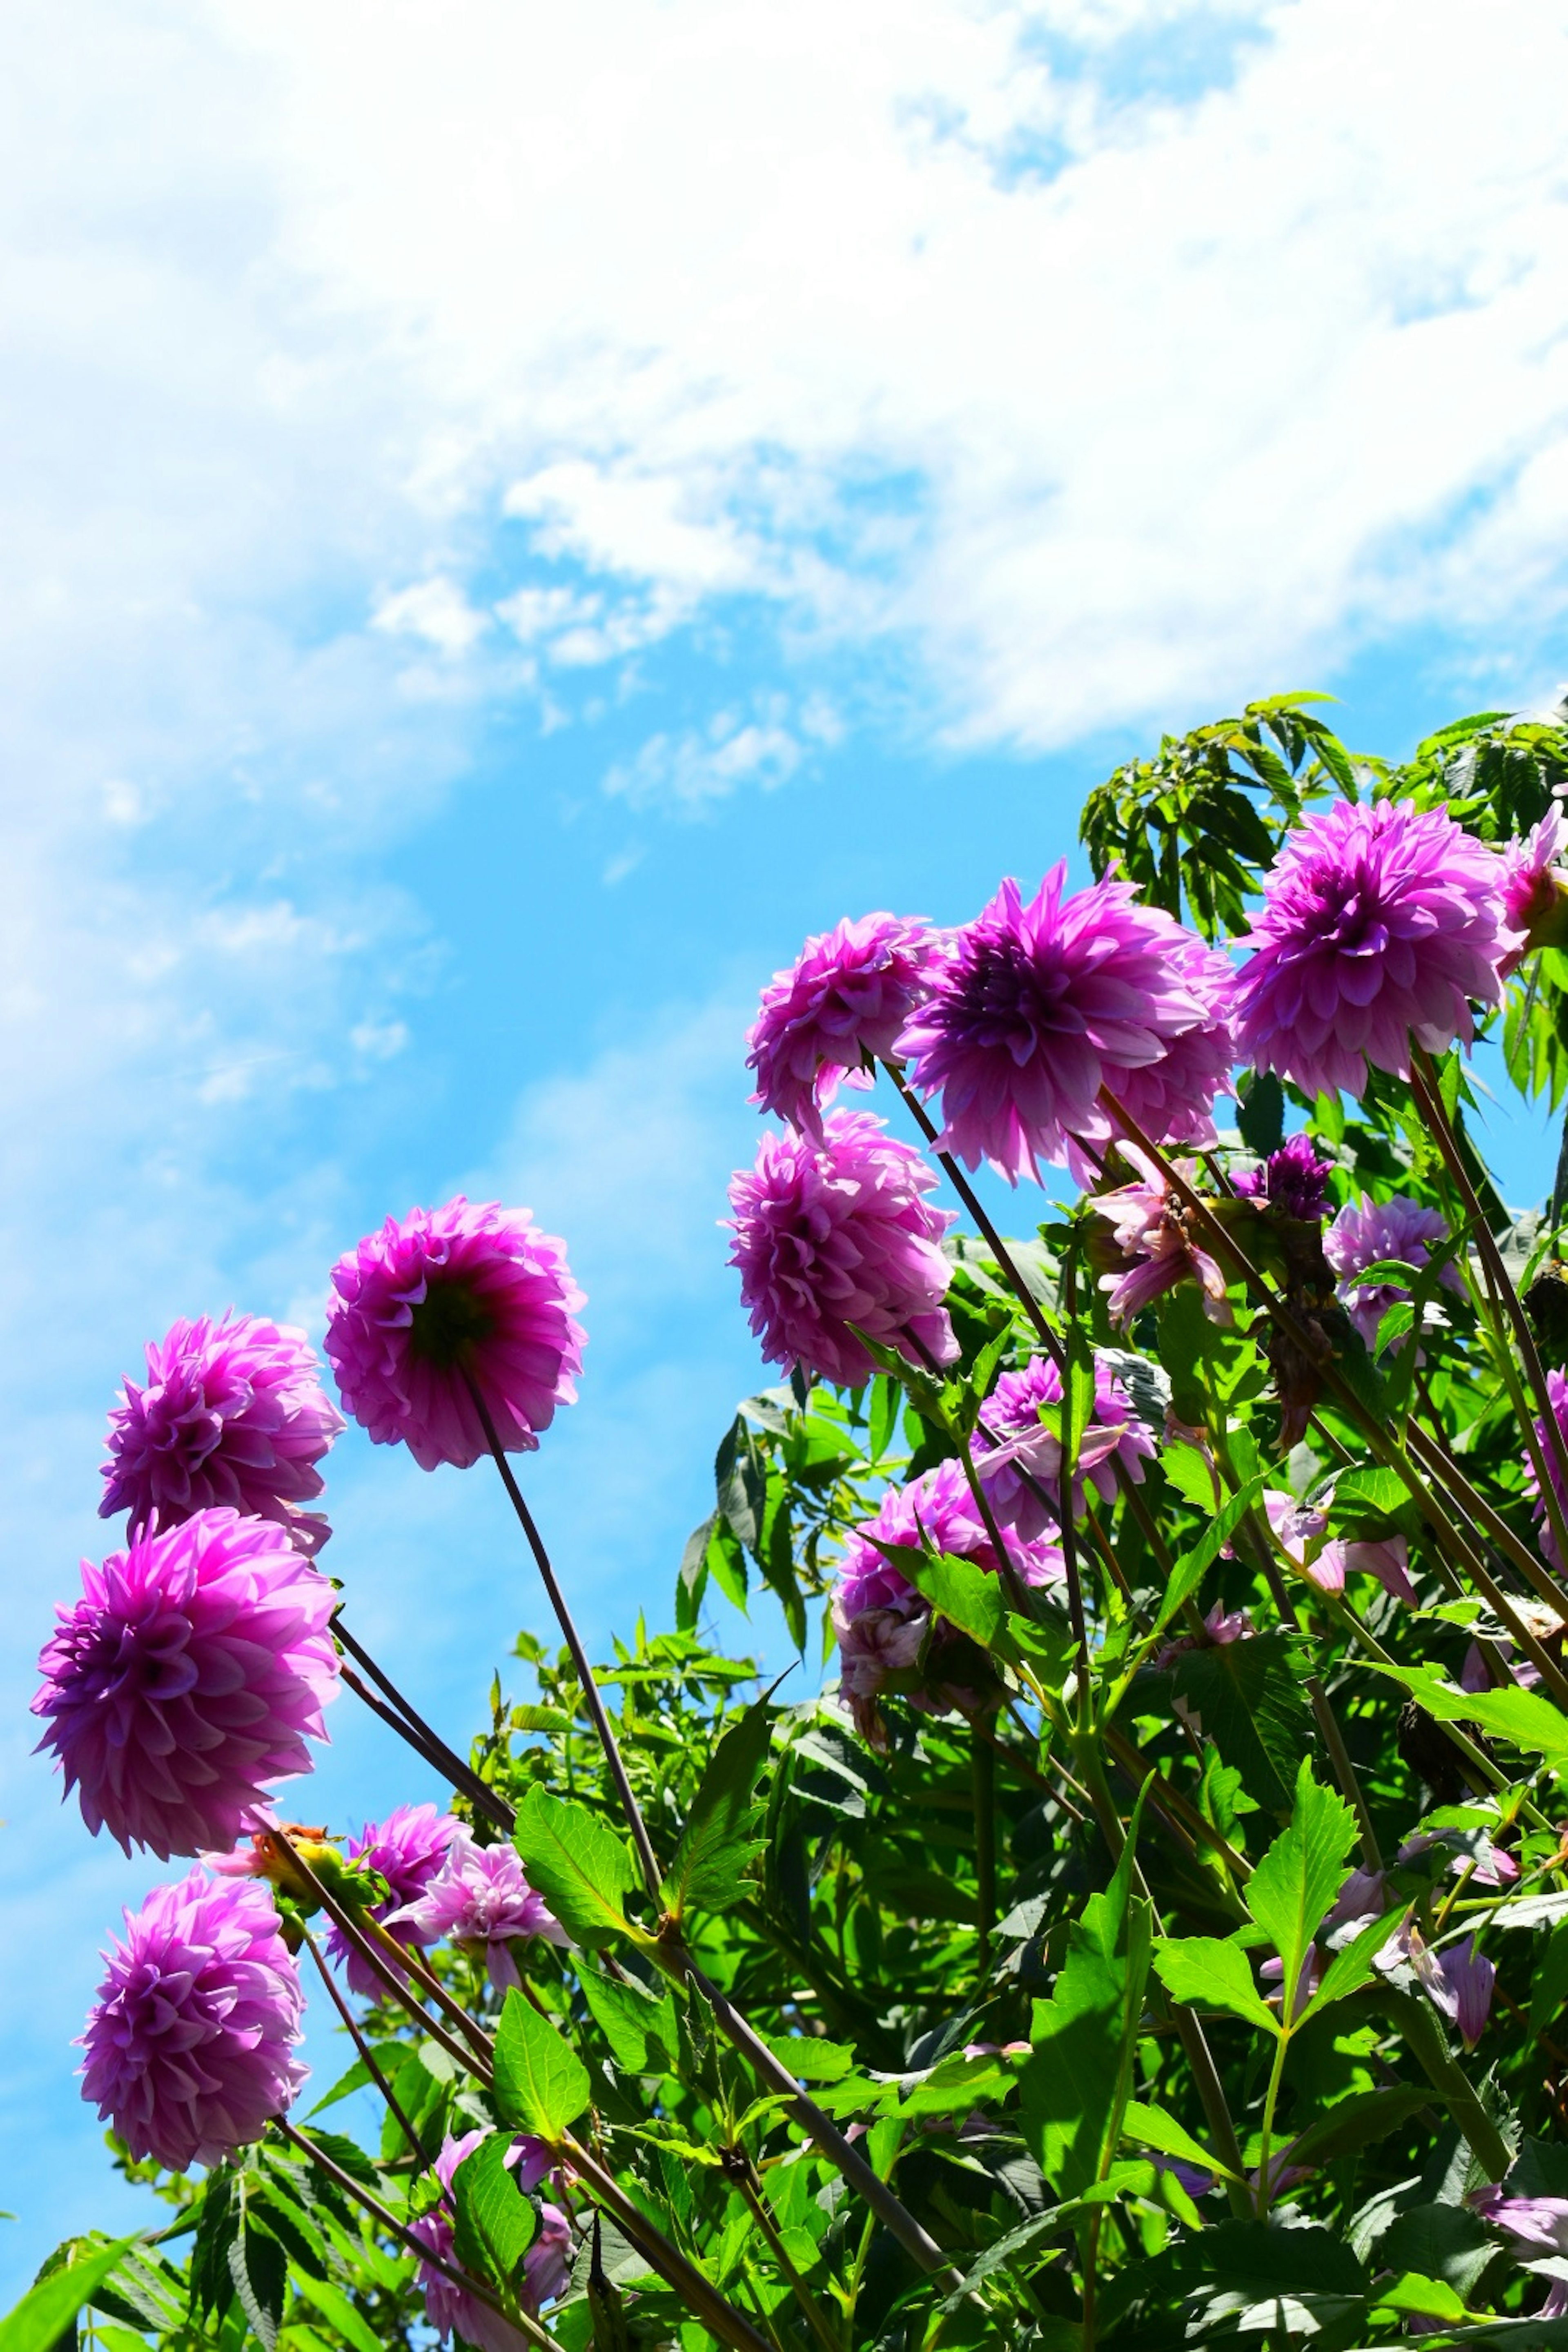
[[1557, 1392], [1035, 1008], [1158, 1238], [448, 1295], [187, 1679], [1027, 1455], [1368, 1233], [190, 2044], [232, 1415], [879, 1617], [1292, 1180], [480, 1898], [407, 1849], [451, 2309], [844, 1001], [1380, 923], [1535, 886], [839, 1233]]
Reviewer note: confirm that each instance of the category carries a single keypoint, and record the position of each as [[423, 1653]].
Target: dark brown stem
[[411, 1725], [1345, 1770], [698, 2292], [368, 2058]]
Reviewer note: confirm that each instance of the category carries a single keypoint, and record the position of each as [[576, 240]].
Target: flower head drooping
[[1535, 886], [1457, 1981], [1368, 1233], [1292, 1180], [839, 1233], [232, 1415], [843, 1001], [880, 1619], [408, 1849], [1380, 923], [190, 2044], [448, 1297], [453, 2310], [1027, 1456], [480, 1898], [186, 1680], [1158, 1237], [1300, 1529], [1035, 1008]]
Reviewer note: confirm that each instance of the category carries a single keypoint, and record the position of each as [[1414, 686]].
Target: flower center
[[448, 1323]]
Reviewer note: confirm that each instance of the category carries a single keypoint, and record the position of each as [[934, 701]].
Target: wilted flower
[[1158, 1237], [450, 1296], [408, 1849], [1534, 2221], [843, 1002], [1535, 886], [1380, 923], [839, 1233], [1019, 1454], [1363, 1896], [187, 1679], [190, 2044], [233, 1415], [879, 1617], [1300, 1530], [1292, 1180], [1367, 1233], [451, 2309], [479, 1898], [1035, 1008], [1457, 1981]]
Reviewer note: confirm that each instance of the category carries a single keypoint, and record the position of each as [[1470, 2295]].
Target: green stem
[[1427, 2044], [983, 1768], [1276, 2076]]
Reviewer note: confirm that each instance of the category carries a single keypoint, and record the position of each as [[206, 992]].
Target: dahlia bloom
[[408, 1849], [480, 1899], [1035, 1008], [232, 1415], [1292, 1180], [1380, 923], [451, 2309], [1366, 1233], [448, 1295], [1172, 1099], [879, 1617], [841, 1006], [1157, 1236], [190, 2044], [1557, 1393], [1535, 886], [187, 1679], [1026, 1456], [1300, 1529], [839, 1233]]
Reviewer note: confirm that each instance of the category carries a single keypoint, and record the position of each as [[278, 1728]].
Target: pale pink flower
[[1158, 1236]]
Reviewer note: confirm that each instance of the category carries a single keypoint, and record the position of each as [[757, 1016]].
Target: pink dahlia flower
[[190, 2044], [1035, 1008], [187, 1679], [1380, 923], [479, 1898], [1535, 886], [1557, 1393], [1026, 1456], [839, 1233], [839, 1007], [232, 1415], [1292, 1180], [408, 1850], [1300, 1530], [451, 2310], [879, 1617], [1158, 1238], [448, 1297], [1369, 1232]]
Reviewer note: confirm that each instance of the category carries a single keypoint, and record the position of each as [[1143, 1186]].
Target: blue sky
[[514, 517]]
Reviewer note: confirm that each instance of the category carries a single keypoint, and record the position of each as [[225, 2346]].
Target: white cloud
[[435, 610], [685, 772]]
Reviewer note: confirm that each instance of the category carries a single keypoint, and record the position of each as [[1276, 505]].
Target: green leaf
[[1296, 1882], [1358, 2121], [541, 2085], [809, 2058], [716, 1843], [578, 1865], [641, 2031], [46, 2310], [1212, 1972], [1251, 1704], [1260, 1115], [967, 1596], [740, 1481], [260, 2269], [1149, 2126], [495, 2221], [886, 1398], [1523, 1717], [340, 2314], [1431, 2297], [1353, 1964], [1548, 1985], [1442, 2242], [1192, 1566], [1193, 1477], [692, 1577]]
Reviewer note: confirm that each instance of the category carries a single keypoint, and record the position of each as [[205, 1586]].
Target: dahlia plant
[[1151, 1926]]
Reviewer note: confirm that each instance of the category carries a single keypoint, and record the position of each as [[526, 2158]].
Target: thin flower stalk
[[395, 1710], [699, 2292], [1345, 1770], [367, 2056]]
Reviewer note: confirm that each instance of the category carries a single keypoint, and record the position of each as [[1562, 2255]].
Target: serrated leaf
[[578, 1864], [1356, 2122], [1212, 1972], [641, 2031], [969, 1597], [260, 2269], [541, 2085], [1353, 1965], [1523, 1717], [1150, 2127], [1432, 2298], [716, 1843], [1296, 1882], [495, 2223], [1192, 1566], [340, 2314], [46, 2310], [1253, 1708]]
